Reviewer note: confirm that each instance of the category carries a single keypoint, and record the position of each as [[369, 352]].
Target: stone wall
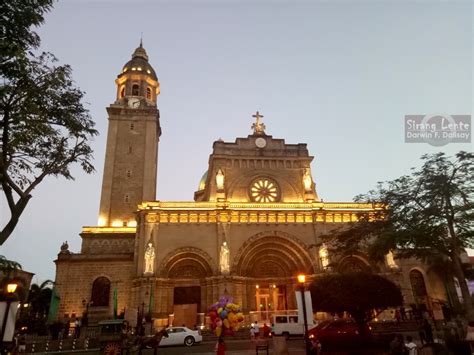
[[75, 274]]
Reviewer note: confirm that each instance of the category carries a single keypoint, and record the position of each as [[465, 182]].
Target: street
[[295, 346], [234, 347]]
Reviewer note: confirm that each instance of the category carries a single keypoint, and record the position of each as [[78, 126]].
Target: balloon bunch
[[225, 317]]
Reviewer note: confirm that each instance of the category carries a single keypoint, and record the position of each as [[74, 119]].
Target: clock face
[[260, 142], [133, 102]]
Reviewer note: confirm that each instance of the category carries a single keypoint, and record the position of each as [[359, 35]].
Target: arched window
[[264, 190], [418, 286], [122, 92], [135, 90], [353, 264], [148, 93], [100, 292]]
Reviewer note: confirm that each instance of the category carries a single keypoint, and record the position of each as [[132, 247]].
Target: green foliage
[[356, 293], [34, 317], [44, 127], [7, 266], [420, 209], [427, 215], [18, 16]]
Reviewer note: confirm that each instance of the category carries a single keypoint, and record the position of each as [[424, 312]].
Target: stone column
[[204, 302], [238, 292], [251, 296], [290, 296]]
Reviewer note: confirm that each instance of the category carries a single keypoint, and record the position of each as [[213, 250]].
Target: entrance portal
[[187, 304], [270, 300]]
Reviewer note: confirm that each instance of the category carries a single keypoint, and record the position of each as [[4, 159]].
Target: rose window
[[264, 190]]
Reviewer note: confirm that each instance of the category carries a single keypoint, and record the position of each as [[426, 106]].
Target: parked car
[[181, 336], [339, 332]]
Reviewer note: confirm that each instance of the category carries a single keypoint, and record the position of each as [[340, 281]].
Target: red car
[[338, 332]]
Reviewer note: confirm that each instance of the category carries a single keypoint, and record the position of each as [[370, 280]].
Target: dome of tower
[[202, 182], [139, 64]]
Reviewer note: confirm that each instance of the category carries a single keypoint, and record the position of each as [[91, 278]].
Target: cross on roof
[[258, 127]]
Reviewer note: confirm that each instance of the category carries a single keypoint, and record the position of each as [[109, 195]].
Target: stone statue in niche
[[220, 179], [224, 258], [390, 260], [307, 180], [324, 256], [149, 258]]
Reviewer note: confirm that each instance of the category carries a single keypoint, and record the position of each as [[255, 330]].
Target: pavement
[[234, 347]]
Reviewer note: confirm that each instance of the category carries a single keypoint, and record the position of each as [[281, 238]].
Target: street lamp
[[85, 314], [301, 281], [11, 288], [141, 315]]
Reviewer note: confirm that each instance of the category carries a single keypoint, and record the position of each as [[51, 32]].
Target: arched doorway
[[270, 261], [100, 295], [187, 267]]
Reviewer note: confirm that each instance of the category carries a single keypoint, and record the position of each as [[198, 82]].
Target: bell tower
[[131, 158]]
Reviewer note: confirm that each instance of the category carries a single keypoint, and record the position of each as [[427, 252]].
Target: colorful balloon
[[225, 316]]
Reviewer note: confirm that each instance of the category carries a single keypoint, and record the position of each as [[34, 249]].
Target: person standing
[[397, 316], [77, 328], [397, 346], [220, 346], [257, 330], [411, 346], [266, 330], [428, 331], [403, 314], [252, 333], [421, 333]]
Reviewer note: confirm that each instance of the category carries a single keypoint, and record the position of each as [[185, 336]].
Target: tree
[[34, 317], [7, 266], [44, 127], [15, 26], [357, 293], [426, 215]]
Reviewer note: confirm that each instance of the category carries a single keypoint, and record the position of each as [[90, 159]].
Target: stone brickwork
[[75, 274]]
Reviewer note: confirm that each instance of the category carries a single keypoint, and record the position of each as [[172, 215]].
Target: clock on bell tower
[[131, 158]]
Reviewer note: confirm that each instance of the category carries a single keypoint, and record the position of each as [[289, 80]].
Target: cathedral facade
[[255, 223]]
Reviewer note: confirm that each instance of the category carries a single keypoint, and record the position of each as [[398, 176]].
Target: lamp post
[[141, 315], [301, 281], [11, 288], [85, 315]]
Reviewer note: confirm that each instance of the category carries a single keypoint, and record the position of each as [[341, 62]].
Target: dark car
[[339, 333]]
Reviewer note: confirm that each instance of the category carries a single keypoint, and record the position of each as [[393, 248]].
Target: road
[[233, 347]]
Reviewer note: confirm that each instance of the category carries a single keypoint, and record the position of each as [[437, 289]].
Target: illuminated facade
[[254, 224]]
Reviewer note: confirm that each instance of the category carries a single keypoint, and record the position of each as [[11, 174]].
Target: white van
[[289, 325]]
